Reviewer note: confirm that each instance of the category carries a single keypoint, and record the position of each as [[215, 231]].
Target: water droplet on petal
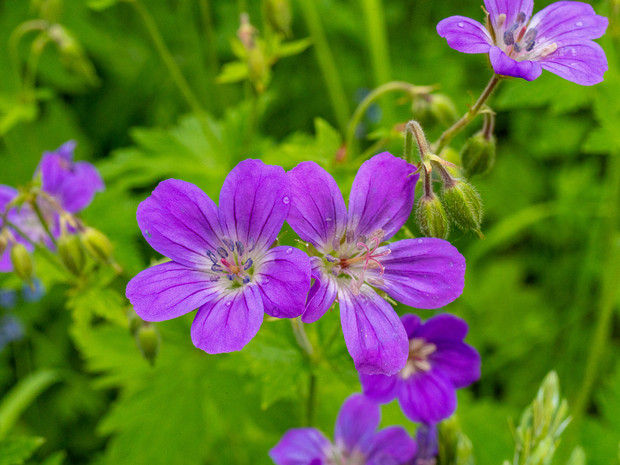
[[451, 264], [265, 280], [579, 24], [328, 219], [460, 25], [229, 303], [286, 200], [420, 241], [289, 250]]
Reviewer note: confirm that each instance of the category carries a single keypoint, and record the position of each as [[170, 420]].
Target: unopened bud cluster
[[146, 335]]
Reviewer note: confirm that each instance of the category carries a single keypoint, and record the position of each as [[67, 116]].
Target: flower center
[[231, 261], [356, 258], [419, 351], [339, 455]]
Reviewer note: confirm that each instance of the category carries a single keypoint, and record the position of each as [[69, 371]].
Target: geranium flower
[[221, 260], [439, 363], [558, 38], [352, 262], [67, 187], [356, 440]]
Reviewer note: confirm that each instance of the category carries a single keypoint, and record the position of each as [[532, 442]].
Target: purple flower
[[67, 187], [356, 440], [351, 262], [558, 38], [221, 260], [439, 363]]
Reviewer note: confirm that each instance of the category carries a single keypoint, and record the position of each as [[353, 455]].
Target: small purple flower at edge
[[356, 440], [221, 260], [439, 363], [558, 38], [66, 186], [422, 273]]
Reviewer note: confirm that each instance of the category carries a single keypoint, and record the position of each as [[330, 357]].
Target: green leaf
[[22, 395], [233, 72], [99, 5], [288, 49], [92, 302], [15, 451]]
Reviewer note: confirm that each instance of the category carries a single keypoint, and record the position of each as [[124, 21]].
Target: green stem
[[16, 36], [467, 118], [327, 63], [49, 256], [368, 100], [167, 58], [311, 402], [302, 339], [44, 224], [610, 276], [207, 24], [33, 63], [378, 44]]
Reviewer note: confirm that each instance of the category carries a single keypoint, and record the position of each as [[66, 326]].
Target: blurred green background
[[136, 85]]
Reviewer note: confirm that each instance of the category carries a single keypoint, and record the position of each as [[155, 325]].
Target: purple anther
[[230, 244], [231, 277], [350, 236], [212, 256], [216, 267], [214, 278], [222, 252], [521, 17], [530, 39], [329, 258], [240, 248], [248, 264], [251, 243], [246, 280]]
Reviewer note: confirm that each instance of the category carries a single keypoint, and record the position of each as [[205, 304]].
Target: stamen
[[214, 278], [233, 268], [230, 244], [239, 247], [516, 48], [216, 267], [222, 252], [501, 19], [509, 38], [251, 243], [521, 17], [329, 258], [349, 236], [212, 256], [231, 277], [530, 39], [548, 50], [248, 264], [246, 280]]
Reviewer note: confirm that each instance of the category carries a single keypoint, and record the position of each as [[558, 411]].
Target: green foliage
[[15, 451]]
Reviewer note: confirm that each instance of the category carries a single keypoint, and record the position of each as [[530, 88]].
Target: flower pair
[[223, 263], [66, 187]]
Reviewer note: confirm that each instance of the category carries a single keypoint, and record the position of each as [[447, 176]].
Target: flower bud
[[279, 15], [135, 322], [97, 244], [148, 341], [22, 262], [463, 205], [4, 242], [443, 109], [71, 253], [478, 155], [431, 217]]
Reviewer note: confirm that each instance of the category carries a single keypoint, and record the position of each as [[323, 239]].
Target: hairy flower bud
[[71, 253], [431, 217], [478, 154], [463, 205], [443, 109], [279, 15], [97, 244], [22, 262], [148, 341]]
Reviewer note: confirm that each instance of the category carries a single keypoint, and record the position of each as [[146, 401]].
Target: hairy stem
[[41, 219], [467, 118]]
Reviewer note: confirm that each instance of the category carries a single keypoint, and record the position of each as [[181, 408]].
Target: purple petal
[[318, 213], [465, 35], [65, 150], [374, 335], [79, 189], [510, 8], [422, 273], [181, 222], [300, 446], [283, 276], [52, 172], [583, 62], [380, 388], [391, 443], [381, 196], [411, 323], [229, 323], [567, 22], [5, 261], [357, 421], [7, 193], [427, 397], [506, 66], [443, 327], [254, 202], [321, 296], [169, 290], [458, 361]]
